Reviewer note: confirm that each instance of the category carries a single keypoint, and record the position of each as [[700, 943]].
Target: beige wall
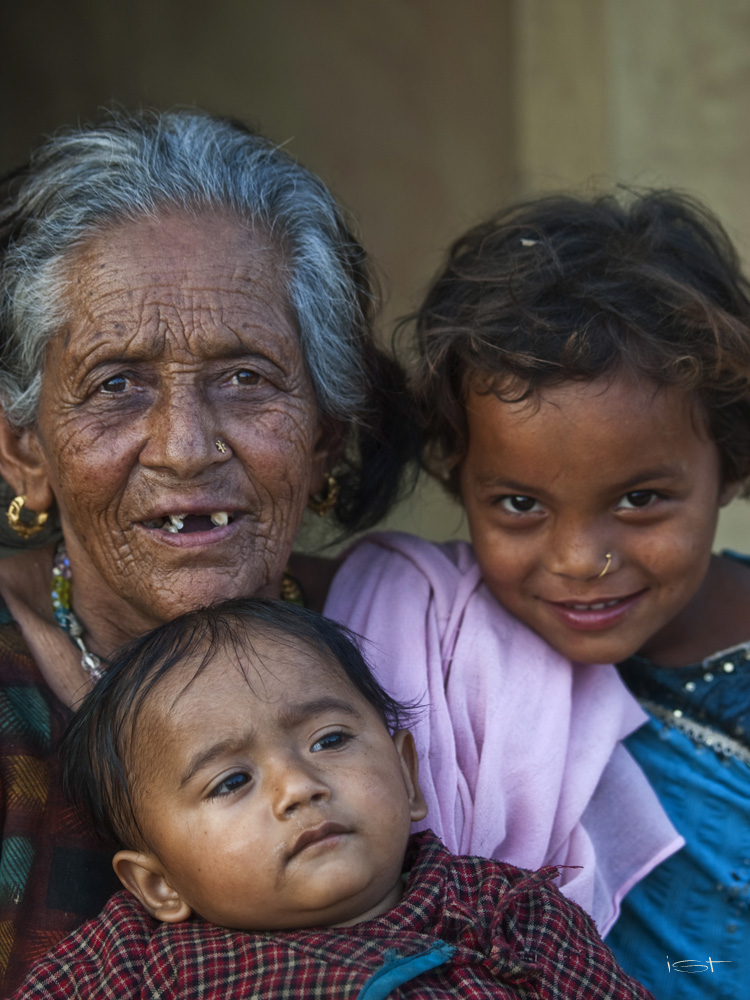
[[422, 115], [640, 92]]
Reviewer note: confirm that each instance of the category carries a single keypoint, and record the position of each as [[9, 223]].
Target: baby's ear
[[407, 752], [142, 875]]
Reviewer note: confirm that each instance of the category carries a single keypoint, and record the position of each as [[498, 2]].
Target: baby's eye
[[331, 741], [519, 504], [230, 785], [118, 383], [637, 500]]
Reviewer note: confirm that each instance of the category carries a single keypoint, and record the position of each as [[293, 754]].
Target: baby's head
[[584, 383], [249, 769]]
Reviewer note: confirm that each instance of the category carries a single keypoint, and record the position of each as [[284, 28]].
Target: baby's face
[[276, 801]]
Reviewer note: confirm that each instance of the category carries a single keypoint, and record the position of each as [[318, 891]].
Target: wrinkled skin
[[179, 334]]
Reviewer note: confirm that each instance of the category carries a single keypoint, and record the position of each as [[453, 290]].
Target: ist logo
[[692, 966]]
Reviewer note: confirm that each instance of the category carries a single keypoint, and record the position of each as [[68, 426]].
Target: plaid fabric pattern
[[509, 934], [53, 872]]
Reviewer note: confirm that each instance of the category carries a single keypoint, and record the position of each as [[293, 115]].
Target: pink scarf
[[520, 749]]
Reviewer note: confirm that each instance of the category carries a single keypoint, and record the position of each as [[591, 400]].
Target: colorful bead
[[62, 590]]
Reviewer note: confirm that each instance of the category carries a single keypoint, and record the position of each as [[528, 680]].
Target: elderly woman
[[186, 356], [186, 352]]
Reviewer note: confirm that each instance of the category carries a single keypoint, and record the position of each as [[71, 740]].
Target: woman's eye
[[231, 784], [331, 741], [245, 376], [637, 500], [118, 383], [520, 504]]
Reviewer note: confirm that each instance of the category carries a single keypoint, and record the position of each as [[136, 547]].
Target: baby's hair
[[95, 751], [647, 285]]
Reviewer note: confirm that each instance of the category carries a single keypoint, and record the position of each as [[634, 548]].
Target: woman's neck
[[25, 586]]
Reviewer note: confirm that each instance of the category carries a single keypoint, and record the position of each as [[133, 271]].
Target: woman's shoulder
[[24, 588], [313, 575], [25, 577]]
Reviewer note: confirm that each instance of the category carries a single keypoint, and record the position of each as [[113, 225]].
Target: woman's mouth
[[595, 615], [177, 524]]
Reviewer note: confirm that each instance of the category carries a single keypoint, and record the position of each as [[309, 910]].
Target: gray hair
[[133, 165]]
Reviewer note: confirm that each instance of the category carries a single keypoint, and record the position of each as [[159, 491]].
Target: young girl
[[584, 380]]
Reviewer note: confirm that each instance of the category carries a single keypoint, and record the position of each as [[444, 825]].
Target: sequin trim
[[698, 733]]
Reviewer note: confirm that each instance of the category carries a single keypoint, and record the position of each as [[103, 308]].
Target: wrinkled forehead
[[179, 289], [174, 260]]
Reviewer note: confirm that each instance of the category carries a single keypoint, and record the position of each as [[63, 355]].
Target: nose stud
[[220, 446], [604, 572]]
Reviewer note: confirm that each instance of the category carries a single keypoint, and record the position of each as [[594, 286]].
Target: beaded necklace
[[68, 622], [66, 617]]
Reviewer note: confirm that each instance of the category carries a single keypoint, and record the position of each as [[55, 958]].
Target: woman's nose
[[182, 435], [294, 786]]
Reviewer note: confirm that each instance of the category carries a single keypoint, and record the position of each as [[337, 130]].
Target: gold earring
[[604, 572], [14, 518], [321, 505]]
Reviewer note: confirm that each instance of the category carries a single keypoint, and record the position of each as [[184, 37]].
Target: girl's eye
[[637, 500], [520, 504], [331, 741], [118, 383], [245, 376], [230, 785]]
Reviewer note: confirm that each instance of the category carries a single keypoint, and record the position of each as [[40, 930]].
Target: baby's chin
[[392, 899], [343, 913]]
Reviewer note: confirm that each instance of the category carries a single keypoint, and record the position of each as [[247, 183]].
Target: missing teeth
[[175, 523]]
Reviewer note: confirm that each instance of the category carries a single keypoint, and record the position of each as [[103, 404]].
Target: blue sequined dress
[[685, 929]]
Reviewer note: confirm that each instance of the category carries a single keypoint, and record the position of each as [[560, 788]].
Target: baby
[[259, 790]]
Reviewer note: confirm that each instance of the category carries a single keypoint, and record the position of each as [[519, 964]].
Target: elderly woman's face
[[177, 395]]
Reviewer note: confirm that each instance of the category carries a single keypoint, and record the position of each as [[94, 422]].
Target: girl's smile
[[595, 615], [554, 484]]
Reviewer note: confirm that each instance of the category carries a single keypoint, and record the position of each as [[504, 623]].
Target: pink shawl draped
[[520, 749]]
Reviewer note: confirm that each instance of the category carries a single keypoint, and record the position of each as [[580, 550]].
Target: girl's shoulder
[[727, 606], [708, 695], [432, 558], [391, 552], [741, 557]]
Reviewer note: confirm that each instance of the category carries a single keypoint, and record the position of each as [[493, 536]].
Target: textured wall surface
[[422, 115]]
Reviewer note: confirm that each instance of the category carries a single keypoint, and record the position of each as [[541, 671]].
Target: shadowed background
[[421, 115]]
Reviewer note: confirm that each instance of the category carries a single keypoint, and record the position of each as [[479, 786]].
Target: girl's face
[[554, 484]]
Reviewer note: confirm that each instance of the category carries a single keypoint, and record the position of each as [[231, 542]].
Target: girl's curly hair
[[646, 284]]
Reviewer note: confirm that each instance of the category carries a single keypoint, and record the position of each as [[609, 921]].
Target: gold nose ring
[[221, 446], [604, 572]]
